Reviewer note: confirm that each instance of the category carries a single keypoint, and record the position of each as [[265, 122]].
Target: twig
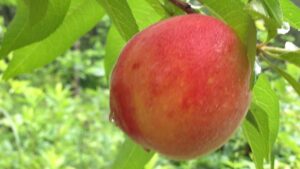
[[184, 6], [276, 49]]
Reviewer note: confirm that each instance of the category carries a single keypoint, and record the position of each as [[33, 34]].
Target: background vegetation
[[57, 117]]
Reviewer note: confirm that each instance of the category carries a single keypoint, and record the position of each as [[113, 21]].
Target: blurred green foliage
[[58, 117]]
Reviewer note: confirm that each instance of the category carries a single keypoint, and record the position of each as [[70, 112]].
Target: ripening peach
[[181, 86]]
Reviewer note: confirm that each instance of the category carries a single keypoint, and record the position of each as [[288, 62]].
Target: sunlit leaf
[[291, 13], [122, 17], [292, 57], [255, 141], [8, 2], [265, 98], [262, 122], [172, 9], [34, 21], [274, 10], [158, 6], [257, 11], [114, 45], [143, 13], [293, 82], [132, 156], [81, 17]]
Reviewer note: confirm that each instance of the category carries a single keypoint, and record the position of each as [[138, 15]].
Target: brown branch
[[184, 6]]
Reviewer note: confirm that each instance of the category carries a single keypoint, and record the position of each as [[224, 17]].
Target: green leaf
[[122, 17], [265, 98], [81, 17], [114, 45], [159, 8], [291, 13], [255, 141], [8, 2], [257, 11], [37, 9], [292, 57], [151, 164], [34, 21], [262, 122], [274, 10], [143, 13], [293, 82], [132, 156], [172, 9]]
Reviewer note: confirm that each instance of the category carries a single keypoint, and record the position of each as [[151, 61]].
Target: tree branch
[[184, 6]]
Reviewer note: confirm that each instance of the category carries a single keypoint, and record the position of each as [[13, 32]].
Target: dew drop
[[112, 117], [113, 120]]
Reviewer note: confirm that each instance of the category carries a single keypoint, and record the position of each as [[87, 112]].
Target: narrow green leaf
[[255, 141], [81, 17], [261, 118], [274, 10], [8, 2], [245, 1], [265, 98], [262, 123], [122, 17], [292, 57], [291, 13], [257, 7], [158, 7], [257, 11], [114, 45], [250, 118], [143, 13], [34, 21], [151, 164], [172, 9], [13, 29], [132, 156], [293, 82], [37, 10]]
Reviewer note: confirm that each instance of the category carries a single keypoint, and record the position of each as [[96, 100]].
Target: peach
[[181, 86]]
